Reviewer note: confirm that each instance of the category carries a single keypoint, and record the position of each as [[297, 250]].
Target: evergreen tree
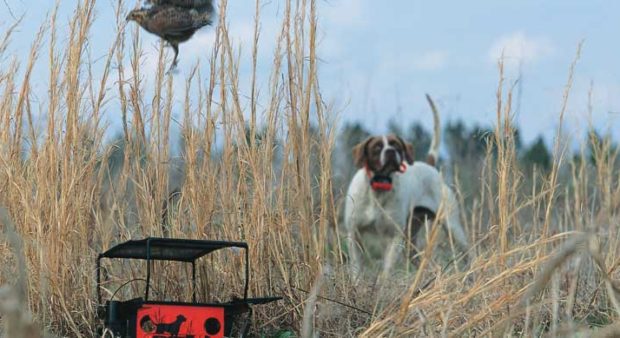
[[350, 135], [420, 138], [537, 155]]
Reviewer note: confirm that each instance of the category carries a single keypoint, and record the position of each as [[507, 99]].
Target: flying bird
[[175, 21], [206, 5]]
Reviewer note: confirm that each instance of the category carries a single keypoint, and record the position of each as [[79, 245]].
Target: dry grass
[[545, 255]]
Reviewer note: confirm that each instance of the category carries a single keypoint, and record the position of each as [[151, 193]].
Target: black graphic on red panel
[[179, 321]]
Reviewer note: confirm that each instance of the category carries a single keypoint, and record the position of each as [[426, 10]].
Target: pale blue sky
[[378, 58]]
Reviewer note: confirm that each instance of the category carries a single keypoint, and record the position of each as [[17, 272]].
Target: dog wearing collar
[[391, 194]]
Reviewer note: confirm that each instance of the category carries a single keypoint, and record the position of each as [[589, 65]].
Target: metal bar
[[247, 273], [194, 281], [99, 280], [148, 269]]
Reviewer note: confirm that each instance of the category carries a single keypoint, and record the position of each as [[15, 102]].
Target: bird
[[201, 10], [206, 5], [175, 21]]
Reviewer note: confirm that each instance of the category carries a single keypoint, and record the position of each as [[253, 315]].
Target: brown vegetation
[[545, 247]]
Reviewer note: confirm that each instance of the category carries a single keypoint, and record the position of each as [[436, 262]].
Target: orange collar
[[381, 185]]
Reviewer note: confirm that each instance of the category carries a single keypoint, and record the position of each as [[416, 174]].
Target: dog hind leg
[[453, 222]]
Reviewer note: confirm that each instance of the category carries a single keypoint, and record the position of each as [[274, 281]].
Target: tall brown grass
[[544, 256]]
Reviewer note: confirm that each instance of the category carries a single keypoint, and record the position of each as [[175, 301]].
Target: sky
[[379, 58]]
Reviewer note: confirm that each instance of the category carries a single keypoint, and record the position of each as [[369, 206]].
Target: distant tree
[[395, 128], [351, 135], [536, 155], [416, 134], [517, 139], [456, 139], [472, 143], [342, 161], [464, 143], [420, 138], [480, 138], [600, 148]]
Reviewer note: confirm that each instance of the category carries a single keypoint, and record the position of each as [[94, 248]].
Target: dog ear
[[360, 153], [408, 150], [409, 153]]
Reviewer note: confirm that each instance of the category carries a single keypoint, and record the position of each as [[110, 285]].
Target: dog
[[390, 194], [171, 328]]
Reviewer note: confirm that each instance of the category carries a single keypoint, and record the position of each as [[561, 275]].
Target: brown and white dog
[[390, 189]]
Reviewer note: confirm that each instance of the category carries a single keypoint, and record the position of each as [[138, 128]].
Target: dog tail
[[433, 151]]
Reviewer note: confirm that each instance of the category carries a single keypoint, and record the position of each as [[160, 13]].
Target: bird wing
[[169, 20], [205, 5]]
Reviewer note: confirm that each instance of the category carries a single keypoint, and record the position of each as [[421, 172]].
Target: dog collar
[[381, 186], [382, 183]]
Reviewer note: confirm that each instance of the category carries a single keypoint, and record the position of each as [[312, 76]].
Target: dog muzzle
[[382, 182]]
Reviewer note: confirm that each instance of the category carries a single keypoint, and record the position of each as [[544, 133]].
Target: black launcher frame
[[142, 318]]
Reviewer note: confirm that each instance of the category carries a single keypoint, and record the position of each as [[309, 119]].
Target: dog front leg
[[392, 255], [354, 255]]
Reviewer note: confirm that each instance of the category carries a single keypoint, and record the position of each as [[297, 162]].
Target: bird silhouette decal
[[175, 21]]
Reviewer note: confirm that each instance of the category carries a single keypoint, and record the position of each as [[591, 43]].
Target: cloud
[[518, 48], [432, 60]]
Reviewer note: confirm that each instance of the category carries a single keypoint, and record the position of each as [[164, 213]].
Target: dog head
[[383, 155], [181, 319]]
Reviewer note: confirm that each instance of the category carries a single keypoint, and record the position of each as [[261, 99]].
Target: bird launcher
[[145, 317]]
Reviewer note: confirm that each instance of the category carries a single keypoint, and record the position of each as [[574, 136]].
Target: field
[[545, 253]]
